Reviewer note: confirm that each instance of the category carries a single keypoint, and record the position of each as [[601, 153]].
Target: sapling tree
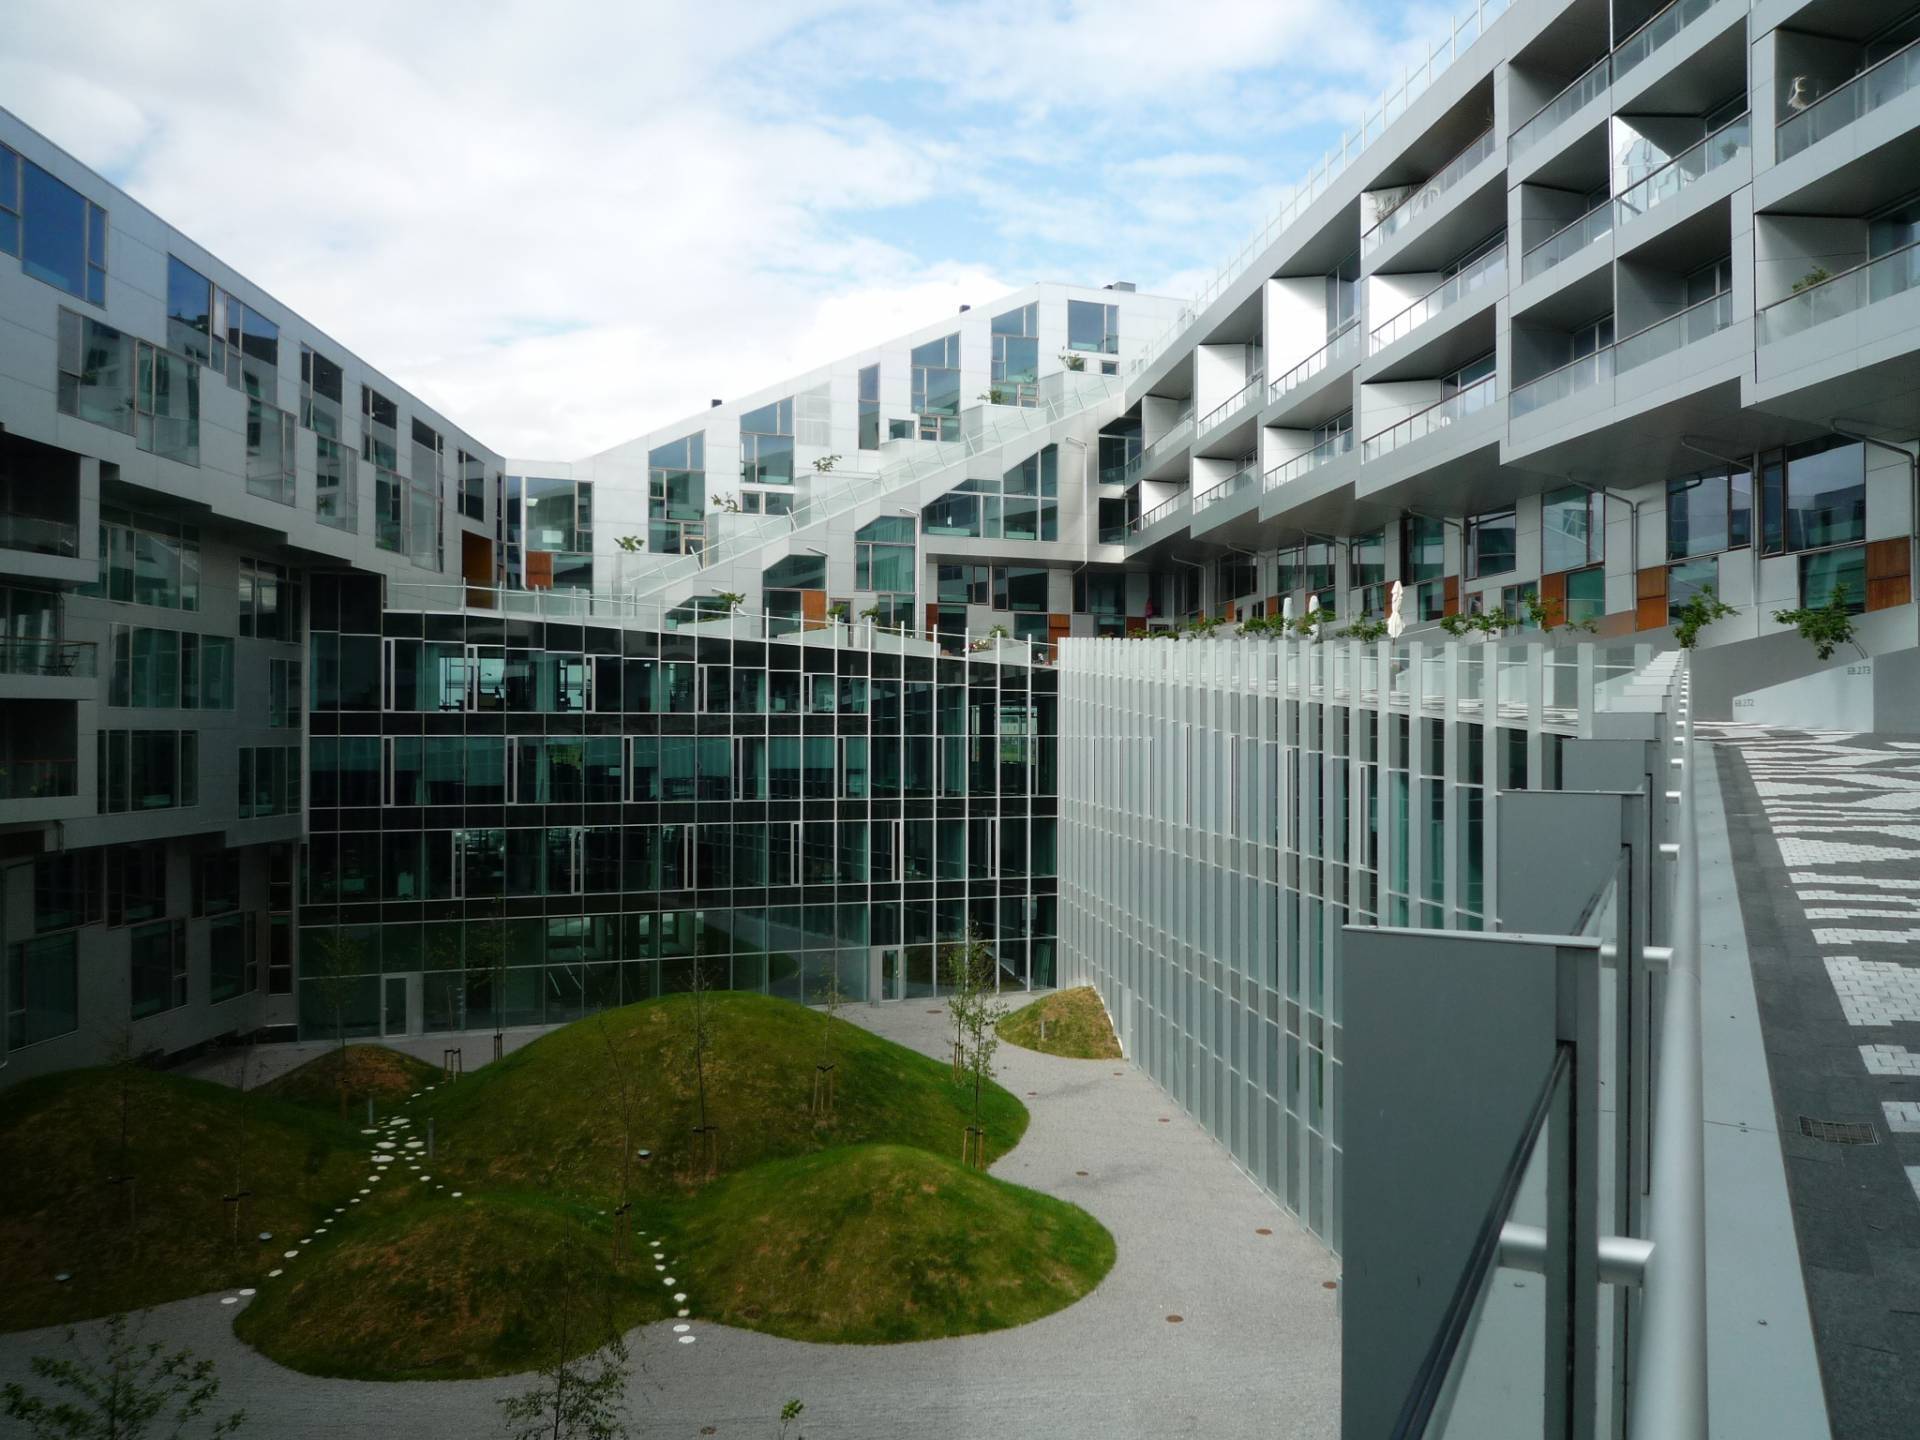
[[1825, 627], [124, 1061], [976, 1013], [623, 1096], [700, 1044], [573, 1397], [1701, 609], [832, 998], [119, 1387], [983, 1040]]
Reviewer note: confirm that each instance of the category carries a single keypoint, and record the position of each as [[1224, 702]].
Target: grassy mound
[[364, 1071], [60, 1145], [546, 1116], [884, 1243], [1077, 1026], [478, 1286]]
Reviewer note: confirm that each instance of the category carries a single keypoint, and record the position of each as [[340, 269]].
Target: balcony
[[1247, 394], [1234, 484], [1429, 195], [1841, 295], [1663, 337], [1556, 385], [1656, 32], [38, 779], [1436, 417], [1447, 293], [1566, 242], [63, 659], [1165, 510], [1570, 101], [1171, 443], [1343, 346], [1305, 463], [39, 535], [1866, 92], [1722, 147]]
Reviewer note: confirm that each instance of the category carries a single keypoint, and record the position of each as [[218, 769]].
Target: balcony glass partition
[[1843, 294], [1438, 416], [1240, 480], [1696, 322], [1567, 241], [1247, 394], [1178, 434], [1722, 147], [1474, 277], [1656, 32], [1430, 194], [1291, 470], [1581, 93], [1868, 91], [1582, 374], [1165, 510], [1343, 346]]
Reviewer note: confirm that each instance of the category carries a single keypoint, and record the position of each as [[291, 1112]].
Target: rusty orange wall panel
[[933, 619], [1058, 628], [1553, 597], [539, 569], [1451, 597], [813, 609], [1889, 574], [1650, 598]]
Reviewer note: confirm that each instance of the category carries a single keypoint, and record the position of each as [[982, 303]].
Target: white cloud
[[564, 224]]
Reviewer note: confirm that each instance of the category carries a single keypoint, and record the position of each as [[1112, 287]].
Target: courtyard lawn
[[1077, 1026], [362, 1072]]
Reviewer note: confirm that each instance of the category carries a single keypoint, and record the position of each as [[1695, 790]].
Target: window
[[284, 695], [66, 890], [883, 563], [379, 429], [1709, 513], [216, 882], [1586, 594], [147, 562], [1823, 500], [157, 958], [147, 770], [1367, 570], [766, 444], [230, 968], [1100, 592], [269, 601], [222, 332], [473, 486], [1423, 549], [1020, 587], [1342, 286], [964, 584], [136, 883], [1685, 580], [426, 496], [677, 496], [1016, 356], [336, 485], [1824, 571], [936, 388], [869, 407], [112, 379], [169, 669], [61, 235], [1093, 326], [322, 393], [1234, 576], [43, 989], [269, 781], [1308, 566], [1022, 505], [389, 511], [1491, 545], [1572, 529]]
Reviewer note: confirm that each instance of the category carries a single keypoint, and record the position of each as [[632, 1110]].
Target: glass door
[[891, 982], [394, 1010]]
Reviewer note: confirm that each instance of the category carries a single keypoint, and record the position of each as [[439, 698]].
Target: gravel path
[[1256, 1352]]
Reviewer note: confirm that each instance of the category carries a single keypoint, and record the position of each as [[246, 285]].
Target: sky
[[565, 224]]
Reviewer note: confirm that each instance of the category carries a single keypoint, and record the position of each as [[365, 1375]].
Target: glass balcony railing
[[1581, 93], [1165, 510], [1866, 92], [1437, 416], [1881, 278], [1567, 241], [38, 535], [1177, 436], [1328, 449], [38, 779], [1663, 337], [1556, 385], [61, 658], [1343, 346], [1428, 195], [1440, 56], [1241, 479], [1247, 394], [1722, 147], [1656, 32], [1455, 288]]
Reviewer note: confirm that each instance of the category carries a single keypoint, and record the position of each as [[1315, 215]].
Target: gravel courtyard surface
[[1256, 1351]]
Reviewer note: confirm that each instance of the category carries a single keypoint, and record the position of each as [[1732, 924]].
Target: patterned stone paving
[[1824, 834]]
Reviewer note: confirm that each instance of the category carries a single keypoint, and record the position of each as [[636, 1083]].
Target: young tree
[[700, 1041], [623, 1092], [573, 1397], [335, 976], [124, 1061], [976, 1012], [123, 1388], [832, 997], [789, 1417]]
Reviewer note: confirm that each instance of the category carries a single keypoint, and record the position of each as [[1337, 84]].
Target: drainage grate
[[1839, 1132]]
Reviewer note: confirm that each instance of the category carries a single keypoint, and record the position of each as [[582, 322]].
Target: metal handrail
[[76, 658], [1429, 192], [1308, 460], [1178, 434], [1148, 518], [1316, 362], [1721, 302], [1235, 482], [1525, 131], [1632, 50], [1604, 209], [1628, 207], [1465, 401], [1235, 402], [1795, 133], [1902, 263]]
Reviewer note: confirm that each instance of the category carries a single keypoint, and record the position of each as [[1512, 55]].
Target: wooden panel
[[933, 619], [1553, 596], [1451, 601], [1273, 605], [1650, 598], [539, 569], [813, 609], [476, 568], [1058, 628], [1889, 578]]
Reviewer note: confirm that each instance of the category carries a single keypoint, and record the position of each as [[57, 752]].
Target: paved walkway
[[1257, 1351], [1828, 859]]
